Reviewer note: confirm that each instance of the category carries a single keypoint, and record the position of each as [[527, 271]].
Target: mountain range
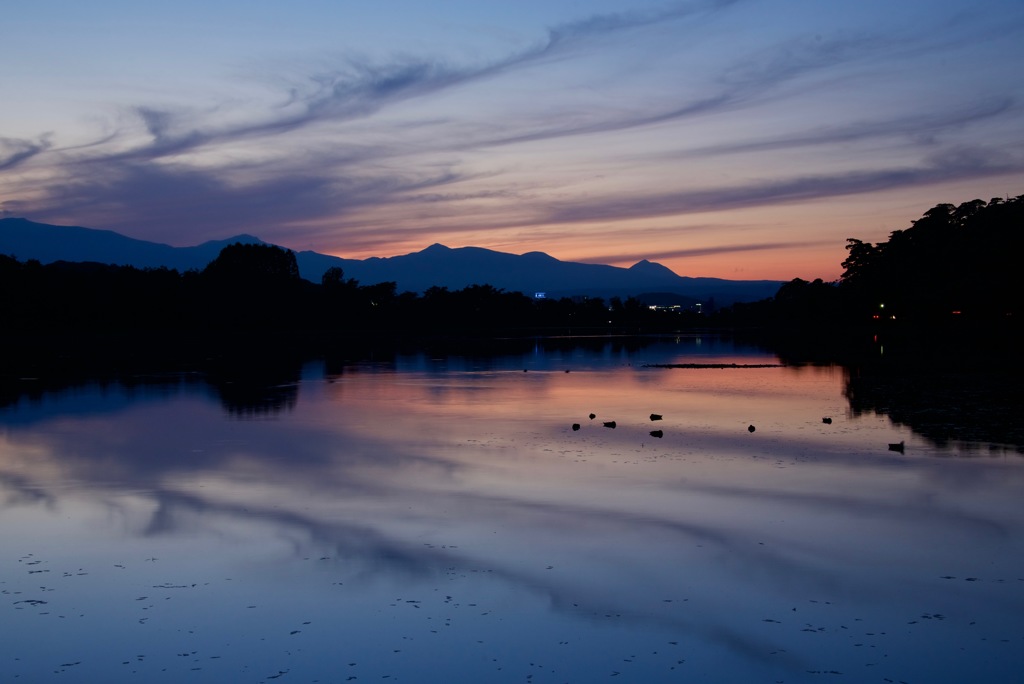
[[437, 265]]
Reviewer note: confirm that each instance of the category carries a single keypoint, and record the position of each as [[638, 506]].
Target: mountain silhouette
[[24, 240], [437, 265]]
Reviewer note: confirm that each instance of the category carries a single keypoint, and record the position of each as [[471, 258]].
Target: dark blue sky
[[742, 139]]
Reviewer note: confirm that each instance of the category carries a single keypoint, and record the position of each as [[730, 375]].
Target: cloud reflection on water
[[397, 476]]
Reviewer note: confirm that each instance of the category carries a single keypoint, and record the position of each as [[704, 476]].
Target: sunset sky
[[740, 139]]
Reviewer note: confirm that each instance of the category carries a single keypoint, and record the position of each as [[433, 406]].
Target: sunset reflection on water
[[436, 518]]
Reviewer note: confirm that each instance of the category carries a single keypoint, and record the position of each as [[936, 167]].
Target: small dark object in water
[[566, 370], [610, 423], [896, 447], [751, 428], [657, 433], [575, 426], [593, 416], [826, 421], [655, 416]]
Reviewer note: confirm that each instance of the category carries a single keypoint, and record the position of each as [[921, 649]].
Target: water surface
[[435, 518]]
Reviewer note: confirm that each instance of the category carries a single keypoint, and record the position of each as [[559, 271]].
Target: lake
[[435, 517]]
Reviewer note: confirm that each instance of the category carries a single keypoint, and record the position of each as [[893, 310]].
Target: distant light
[[956, 312], [540, 295]]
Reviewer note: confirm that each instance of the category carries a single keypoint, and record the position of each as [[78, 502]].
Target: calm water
[[437, 519]]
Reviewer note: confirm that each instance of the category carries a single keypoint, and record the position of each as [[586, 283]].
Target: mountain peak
[[437, 265], [652, 268], [540, 256], [244, 238]]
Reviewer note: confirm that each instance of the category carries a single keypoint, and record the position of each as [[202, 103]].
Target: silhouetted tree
[[816, 303], [254, 286], [253, 264], [953, 261], [333, 277]]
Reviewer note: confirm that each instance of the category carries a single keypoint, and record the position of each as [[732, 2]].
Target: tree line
[[257, 288], [954, 263]]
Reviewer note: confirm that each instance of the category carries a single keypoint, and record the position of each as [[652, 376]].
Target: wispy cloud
[[151, 183], [392, 149], [749, 79], [359, 87], [922, 127], [159, 199], [713, 250], [945, 166], [14, 151]]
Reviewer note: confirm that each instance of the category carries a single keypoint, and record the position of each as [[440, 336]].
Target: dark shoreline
[[950, 389], [888, 349]]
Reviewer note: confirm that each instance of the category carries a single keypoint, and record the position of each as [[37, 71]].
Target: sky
[[742, 139]]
